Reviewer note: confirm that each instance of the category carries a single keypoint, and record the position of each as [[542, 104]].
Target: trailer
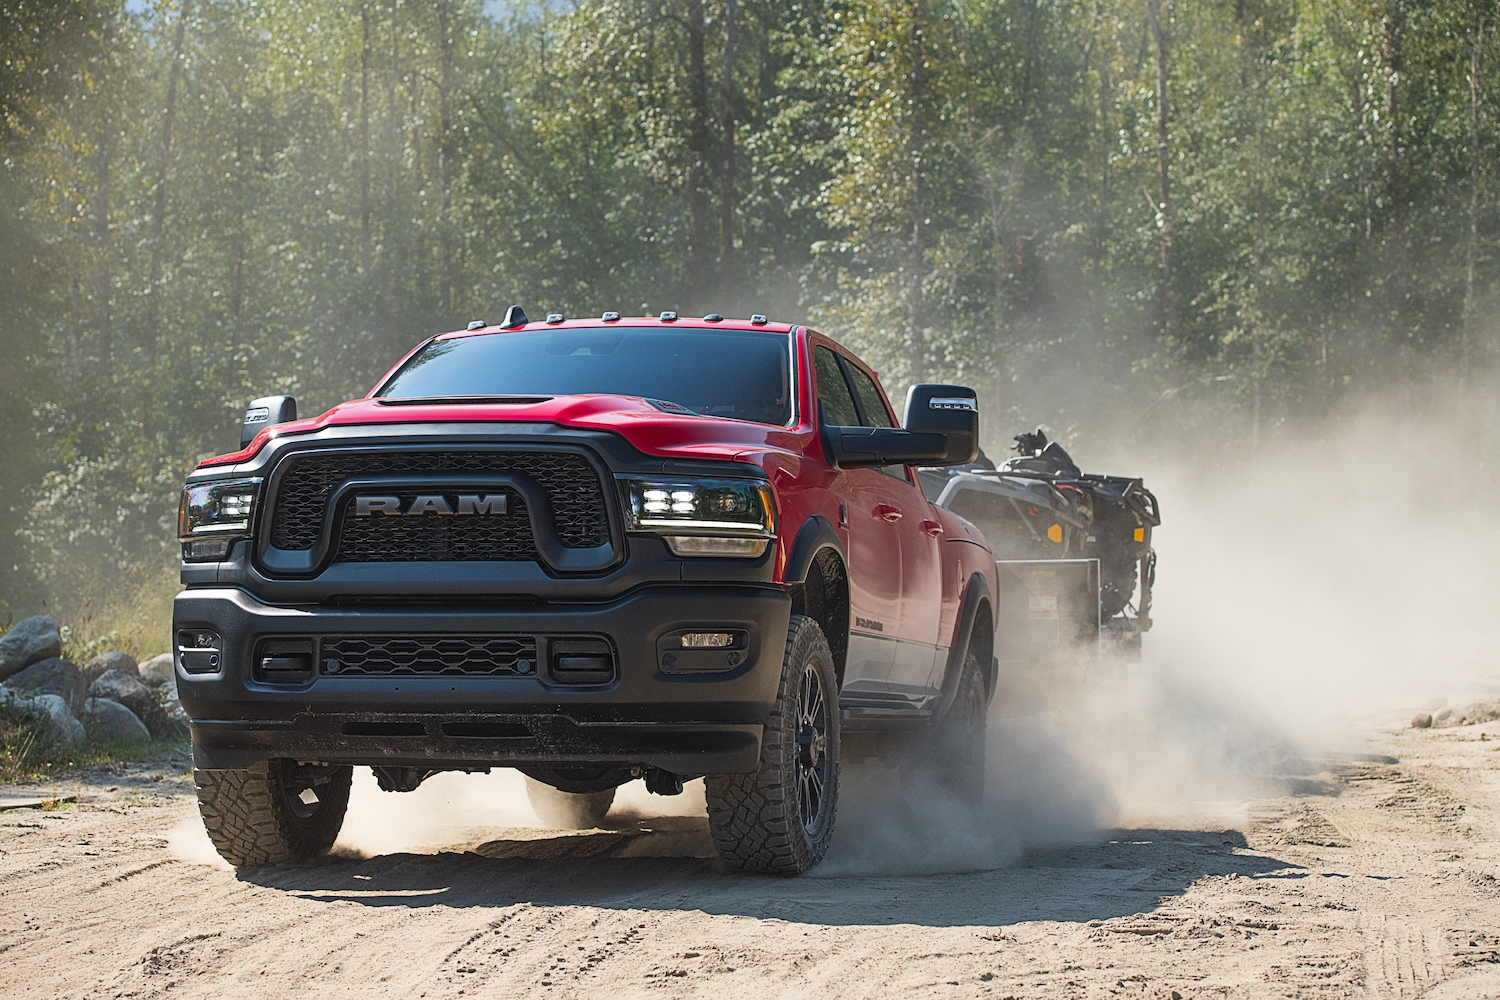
[[1073, 554]]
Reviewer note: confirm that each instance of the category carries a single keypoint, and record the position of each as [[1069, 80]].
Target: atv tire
[[568, 810], [277, 812], [779, 820]]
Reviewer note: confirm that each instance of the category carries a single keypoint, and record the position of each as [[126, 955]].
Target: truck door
[[874, 548], [919, 534]]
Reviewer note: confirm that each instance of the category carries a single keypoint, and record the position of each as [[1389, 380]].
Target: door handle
[[931, 528], [886, 512]]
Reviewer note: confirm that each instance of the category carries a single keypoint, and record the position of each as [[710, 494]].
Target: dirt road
[[1378, 878]]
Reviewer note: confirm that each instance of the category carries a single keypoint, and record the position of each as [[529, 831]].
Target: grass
[[100, 614], [27, 755]]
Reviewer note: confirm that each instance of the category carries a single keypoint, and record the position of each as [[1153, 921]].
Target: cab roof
[[595, 322]]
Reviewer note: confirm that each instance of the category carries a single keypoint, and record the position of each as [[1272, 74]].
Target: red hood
[[647, 428]]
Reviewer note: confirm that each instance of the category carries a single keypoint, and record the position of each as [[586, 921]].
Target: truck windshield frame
[[726, 373]]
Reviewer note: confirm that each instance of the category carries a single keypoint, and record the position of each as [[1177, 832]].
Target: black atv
[[1086, 538]]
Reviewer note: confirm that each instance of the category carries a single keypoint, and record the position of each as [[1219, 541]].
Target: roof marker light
[[514, 316], [478, 324], [611, 317], [554, 317], [757, 320], [713, 318], [668, 316]]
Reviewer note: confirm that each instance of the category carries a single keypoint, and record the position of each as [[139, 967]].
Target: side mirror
[[949, 410], [862, 447], [263, 412]]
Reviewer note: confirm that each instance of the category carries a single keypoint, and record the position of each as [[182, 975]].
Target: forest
[[1158, 218]]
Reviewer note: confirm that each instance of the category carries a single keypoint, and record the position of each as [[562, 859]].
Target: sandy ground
[[1376, 877]]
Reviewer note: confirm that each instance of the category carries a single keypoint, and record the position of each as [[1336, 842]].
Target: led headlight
[[214, 515], [703, 517]]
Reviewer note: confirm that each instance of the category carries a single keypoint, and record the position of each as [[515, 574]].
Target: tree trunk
[[392, 247], [700, 266], [159, 215], [1026, 70], [105, 287], [364, 134], [1473, 248], [726, 168], [1397, 187], [445, 153], [1108, 139], [1163, 168], [916, 347]]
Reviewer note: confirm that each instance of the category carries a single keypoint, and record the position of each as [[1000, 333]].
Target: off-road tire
[[762, 823], [568, 810], [256, 817], [957, 743]]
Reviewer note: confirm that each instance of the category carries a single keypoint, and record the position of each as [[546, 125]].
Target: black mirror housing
[[949, 410], [864, 447], [263, 412]]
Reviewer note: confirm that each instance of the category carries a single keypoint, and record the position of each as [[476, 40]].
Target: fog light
[[707, 640], [708, 545], [204, 549]]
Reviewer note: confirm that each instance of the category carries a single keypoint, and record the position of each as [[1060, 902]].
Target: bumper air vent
[[432, 655]]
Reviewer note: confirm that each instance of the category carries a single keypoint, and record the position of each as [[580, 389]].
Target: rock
[[58, 723], [105, 662], [1421, 721], [53, 676], [167, 720], [125, 688], [1443, 717], [171, 721], [32, 639], [110, 720], [157, 669]]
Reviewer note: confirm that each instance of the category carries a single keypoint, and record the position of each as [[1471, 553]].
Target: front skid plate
[[452, 740]]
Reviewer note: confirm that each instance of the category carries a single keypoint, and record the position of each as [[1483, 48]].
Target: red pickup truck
[[592, 550]]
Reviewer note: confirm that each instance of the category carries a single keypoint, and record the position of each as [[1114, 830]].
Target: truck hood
[[647, 427]]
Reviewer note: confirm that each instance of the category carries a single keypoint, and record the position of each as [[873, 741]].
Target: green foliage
[[218, 199]]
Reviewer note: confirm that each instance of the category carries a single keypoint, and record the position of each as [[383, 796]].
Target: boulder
[[110, 720], [166, 719], [53, 676], [170, 721], [1421, 721], [125, 688], [157, 669], [32, 639], [105, 662], [58, 724]]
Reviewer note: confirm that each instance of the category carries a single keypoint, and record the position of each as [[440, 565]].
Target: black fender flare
[[816, 534], [977, 594]]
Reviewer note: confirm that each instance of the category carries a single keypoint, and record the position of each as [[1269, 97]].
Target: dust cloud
[[1334, 583]]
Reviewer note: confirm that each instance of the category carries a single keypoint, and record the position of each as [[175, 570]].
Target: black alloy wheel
[[815, 721], [779, 820]]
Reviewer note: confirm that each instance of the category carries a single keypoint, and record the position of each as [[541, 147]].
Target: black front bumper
[[643, 715]]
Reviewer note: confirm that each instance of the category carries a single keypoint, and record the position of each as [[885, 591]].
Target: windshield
[[743, 374]]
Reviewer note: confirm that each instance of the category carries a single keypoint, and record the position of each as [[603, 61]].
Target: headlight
[[213, 515], [703, 517]]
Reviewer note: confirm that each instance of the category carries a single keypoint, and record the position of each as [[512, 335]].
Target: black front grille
[[437, 538], [576, 494], [429, 654]]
